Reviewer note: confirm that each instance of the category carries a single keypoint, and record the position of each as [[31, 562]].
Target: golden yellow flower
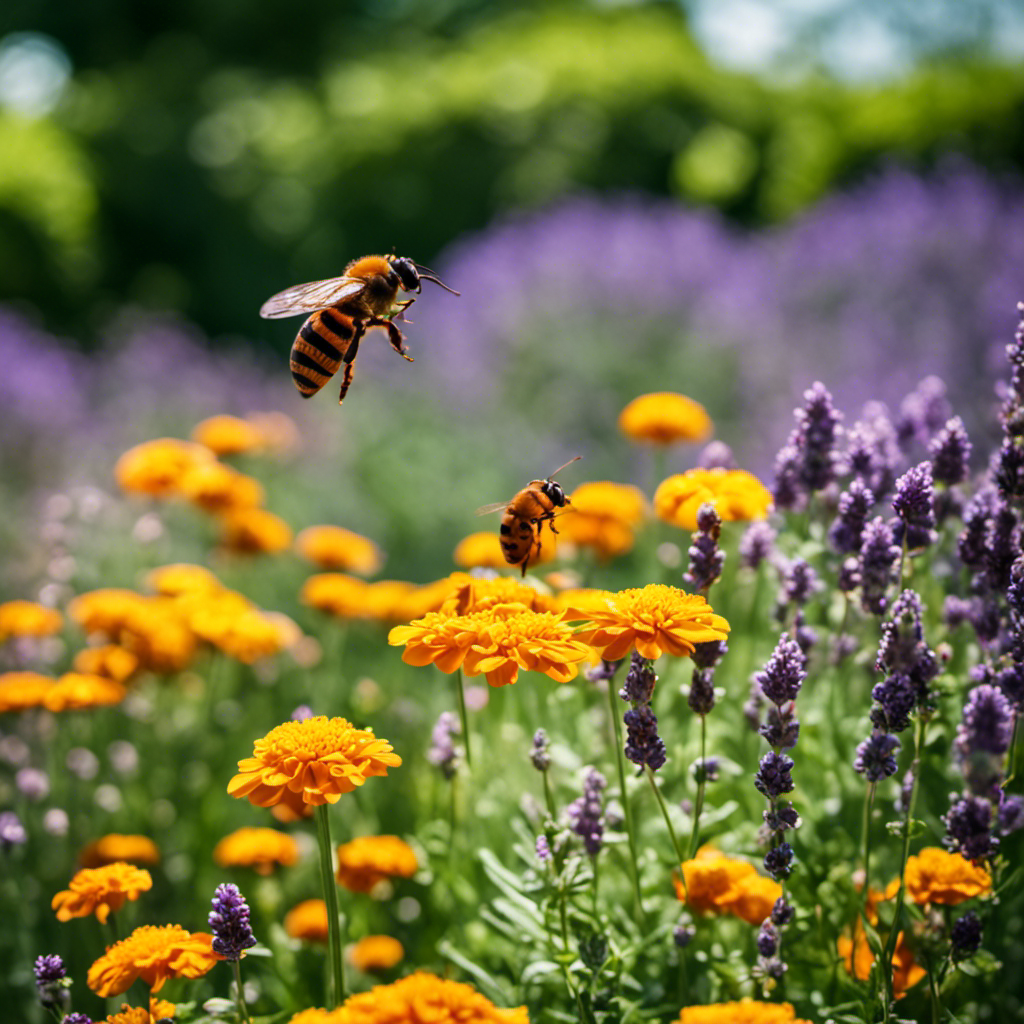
[[386, 600], [182, 578], [319, 758], [735, 493], [154, 954], [217, 488], [746, 1011], [116, 847], [368, 860], [230, 622], [228, 435], [333, 547], [316, 1016], [717, 884], [261, 849], [421, 998], [496, 643], [858, 958], [655, 619], [602, 499], [28, 618], [336, 594], [429, 597], [157, 467], [101, 891], [480, 595], [935, 876], [375, 953], [665, 417], [255, 531], [480, 551], [159, 1009], [20, 691], [109, 660], [75, 691], [105, 610], [307, 921]]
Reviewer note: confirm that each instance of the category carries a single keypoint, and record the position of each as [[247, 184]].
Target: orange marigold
[[76, 691], [735, 493], [157, 467], [217, 488], [182, 578], [604, 516], [109, 660], [480, 550], [429, 597], [228, 435], [20, 691], [101, 891], [153, 953], [480, 595], [746, 1011], [655, 619], [496, 643], [375, 953], [255, 531], [159, 1009], [230, 622], [935, 876], [114, 847], [858, 959], [385, 600], [665, 417], [307, 921], [336, 594], [333, 547], [717, 884], [261, 849], [28, 618], [364, 862], [320, 758]]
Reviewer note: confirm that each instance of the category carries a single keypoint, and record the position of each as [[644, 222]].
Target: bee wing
[[486, 510], [308, 298]]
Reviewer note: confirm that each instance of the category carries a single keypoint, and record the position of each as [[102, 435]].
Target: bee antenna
[[429, 275], [569, 463]]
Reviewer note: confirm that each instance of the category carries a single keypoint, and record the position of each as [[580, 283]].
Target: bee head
[[408, 275], [554, 491]]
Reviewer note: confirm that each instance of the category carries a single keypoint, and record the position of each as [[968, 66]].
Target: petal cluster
[[717, 884], [28, 618], [604, 516], [335, 548], [746, 1011], [935, 876], [114, 847], [101, 891], [261, 849], [365, 861], [665, 417], [735, 494], [154, 953]]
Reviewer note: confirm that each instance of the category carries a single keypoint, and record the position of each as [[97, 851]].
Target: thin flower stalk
[[335, 938], [701, 784], [460, 690]]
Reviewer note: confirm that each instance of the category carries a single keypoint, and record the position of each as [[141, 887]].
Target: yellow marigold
[[307, 921], [935, 876], [255, 531], [109, 660], [104, 611], [717, 884], [376, 953], [480, 595], [655, 619], [480, 551], [75, 691], [153, 953], [496, 643], [261, 849], [230, 622], [333, 547], [320, 758], [28, 618], [182, 578], [385, 600], [746, 1011], [336, 594], [20, 691], [423, 998], [316, 1016], [217, 488], [608, 537], [735, 493], [665, 417], [429, 596], [156, 467], [604, 516], [101, 891], [159, 1009], [858, 959], [228, 435], [364, 862], [117, 847]]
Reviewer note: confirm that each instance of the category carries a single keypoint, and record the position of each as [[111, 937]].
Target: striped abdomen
[[319, 348]]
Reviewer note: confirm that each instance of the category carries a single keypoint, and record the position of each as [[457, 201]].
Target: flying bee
[[525, 516], [342, 309]]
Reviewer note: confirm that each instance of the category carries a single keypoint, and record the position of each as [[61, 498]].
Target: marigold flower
[[159, 1009], [20, 691], [228, 435], [117, 847], [75, 691], [182, 578], [376, 953], [935, 876], [101, 891], [157, 467], [480, 551], [497, 643], [717, 884], [480, 595], [419, 998], [429, 597], [665, 417], [858, 958], [603, 516], [364, 862], [255, 531], [335, 593], [153, 953], [261, 849], [385, 600], [109, 660], [307, 921], [277, 430], [320, 758], [655, 619], [333, 547], [746, 1011], [28, 618], [735, 493], [217, 488], [230, 622]]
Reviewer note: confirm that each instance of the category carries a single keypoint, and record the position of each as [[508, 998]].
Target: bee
[[342, 309], [525, 516]]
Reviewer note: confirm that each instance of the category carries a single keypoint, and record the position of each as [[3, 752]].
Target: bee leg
[[349, 359], [396, 338], [402, 307]]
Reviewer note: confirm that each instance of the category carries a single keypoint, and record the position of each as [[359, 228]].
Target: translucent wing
[[308, 298], [486, 510]]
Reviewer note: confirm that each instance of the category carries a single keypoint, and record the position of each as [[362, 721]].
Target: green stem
[[460, 690], [935, 1000], [699, 806], [334, 936], [242, 1009], [671, 831], [1011, 769], [869, 800], [620, 763], [549, 797]]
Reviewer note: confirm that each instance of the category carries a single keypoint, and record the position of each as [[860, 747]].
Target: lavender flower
[[1009, 470], [878, 557], [965, 936], [52, 983], [781, 728], [983, 737], [586, 817], [783, 674], [302, 713], [229, 922], [638, 687], [1002, 546], [709, 653], [971, 544], [902, 647], [767, 938], [543, 849], [875, 758], [969, 828], [706, 560], [798, 583], [1011, 813], [644, 747], [442, 746], [786, 491], [539, 755], [922, 412], [682, 934], [914, 506], [756, 544], [950, 451], [848, 577], [782, 912], [716, 455], [781, 818], [896, 698], [778, 861], [847, 530], [816, 434], [701, 698], [603, 672], [33, 783], [1011, 681], [12, 832], [77, 1018], [773, 776], [872, 453]]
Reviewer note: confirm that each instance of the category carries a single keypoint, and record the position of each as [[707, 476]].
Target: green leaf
[[539, 969], [482, 976]]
